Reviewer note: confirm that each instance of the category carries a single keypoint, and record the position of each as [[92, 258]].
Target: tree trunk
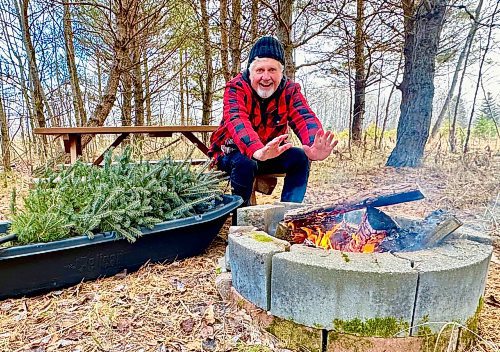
[[422, 32], [234, 38], [99, 74], [4, 133], [137, 82], [181, 88], [80, 114], [127, 98], [224, 41], [186, 88], [360, 77], [465, 52], [284, 34], [208, 84], [254, 20], [107, 101], [33, 69], [146, 87]]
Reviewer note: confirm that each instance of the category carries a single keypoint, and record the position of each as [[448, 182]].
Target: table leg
[[115, 144], [193, 139], [73, 146]]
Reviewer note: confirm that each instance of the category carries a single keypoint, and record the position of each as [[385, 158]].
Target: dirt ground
[[176, 307]]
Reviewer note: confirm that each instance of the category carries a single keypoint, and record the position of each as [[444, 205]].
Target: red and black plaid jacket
[[249, 122]]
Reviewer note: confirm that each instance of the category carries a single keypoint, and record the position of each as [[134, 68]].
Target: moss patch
[[295, 336], [261, 236], [346, 258], [377, 327]]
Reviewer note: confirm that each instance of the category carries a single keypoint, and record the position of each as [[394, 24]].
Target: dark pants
[[242, 170]]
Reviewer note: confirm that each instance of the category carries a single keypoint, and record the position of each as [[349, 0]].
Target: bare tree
[[360, 75], [464, 54], [4, 135], [487, 47], [80, 114], [207, 85]]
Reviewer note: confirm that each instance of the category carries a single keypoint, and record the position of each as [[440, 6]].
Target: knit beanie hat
[[268, 47]]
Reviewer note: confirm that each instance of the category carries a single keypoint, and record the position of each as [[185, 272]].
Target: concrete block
[[321, 289], [452, 278], [227, 260], [241, 229], [467, 232], [264, 217], [250, 255]]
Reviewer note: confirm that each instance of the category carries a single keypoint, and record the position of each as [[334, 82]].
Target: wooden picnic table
[[72, 136]]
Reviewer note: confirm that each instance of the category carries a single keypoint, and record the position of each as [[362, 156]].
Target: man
[[259, 105]]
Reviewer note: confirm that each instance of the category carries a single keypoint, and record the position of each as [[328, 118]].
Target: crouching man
[[259, 106]]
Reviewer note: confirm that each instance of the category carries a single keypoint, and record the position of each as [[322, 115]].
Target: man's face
[[265, 76]]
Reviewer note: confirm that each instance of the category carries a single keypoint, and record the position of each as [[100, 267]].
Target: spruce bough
[[120, 196]]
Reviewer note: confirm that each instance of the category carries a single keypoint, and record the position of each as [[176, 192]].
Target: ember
[[335, 232], [338, 225]]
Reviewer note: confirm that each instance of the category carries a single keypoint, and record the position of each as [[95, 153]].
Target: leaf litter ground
[[176, 307]]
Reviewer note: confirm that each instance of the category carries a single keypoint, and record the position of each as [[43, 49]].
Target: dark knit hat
[[268, 47]]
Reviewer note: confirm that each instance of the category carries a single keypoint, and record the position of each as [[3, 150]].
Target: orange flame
[[341, 236]]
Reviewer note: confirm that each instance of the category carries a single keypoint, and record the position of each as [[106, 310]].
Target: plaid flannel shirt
[[249, 122]]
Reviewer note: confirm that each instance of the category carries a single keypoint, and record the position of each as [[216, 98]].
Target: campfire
[[337, 233], [333, 226]]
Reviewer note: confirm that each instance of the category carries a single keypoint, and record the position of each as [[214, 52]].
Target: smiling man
[[260, 104]]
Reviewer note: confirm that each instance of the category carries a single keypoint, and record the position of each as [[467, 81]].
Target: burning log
[[303, 223], [382, 197]]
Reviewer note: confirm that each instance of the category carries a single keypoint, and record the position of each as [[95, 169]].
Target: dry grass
[[176, 307]]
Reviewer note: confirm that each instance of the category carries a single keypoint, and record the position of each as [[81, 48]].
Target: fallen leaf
[[207, 332], [180, 286], [6, 306], [210, 315], [119, 288], [209, 344], [64, 343], [187, 325], [492, 301]]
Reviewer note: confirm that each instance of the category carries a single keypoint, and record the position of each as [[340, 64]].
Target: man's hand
[[272, 149], [322, 146]]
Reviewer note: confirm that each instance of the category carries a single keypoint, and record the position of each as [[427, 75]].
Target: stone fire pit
[[337, 301]]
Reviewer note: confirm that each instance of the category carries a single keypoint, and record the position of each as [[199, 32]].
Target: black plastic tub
[[38, 268]]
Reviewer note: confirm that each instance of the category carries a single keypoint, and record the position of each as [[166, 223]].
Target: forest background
[[426, 67], [401, 82]]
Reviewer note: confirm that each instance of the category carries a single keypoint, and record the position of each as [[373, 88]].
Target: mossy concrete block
[[338, 342], [315, 287], [469, 233], [263, 217], [251, 256], [452, 278], [296, 337]]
